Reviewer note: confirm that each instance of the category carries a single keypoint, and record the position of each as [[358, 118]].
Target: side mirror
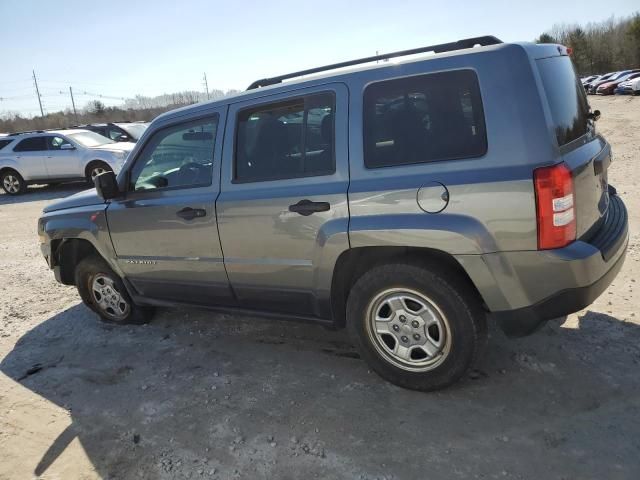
[[67, 146], [123, 138], [106, 185], [595, 115]]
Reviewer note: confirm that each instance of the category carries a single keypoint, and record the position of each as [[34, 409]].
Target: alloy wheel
[[11, 183]]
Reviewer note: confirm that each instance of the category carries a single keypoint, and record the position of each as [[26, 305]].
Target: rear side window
[[4, 143], [566, 98], [33, 144], [288, 139], [423, 119]]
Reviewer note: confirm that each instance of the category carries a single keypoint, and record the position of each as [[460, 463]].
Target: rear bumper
[[526, 320], [524, 289]]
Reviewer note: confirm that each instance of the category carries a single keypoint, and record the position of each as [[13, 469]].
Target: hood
[[115, 147], [81, 199], [606, 85]]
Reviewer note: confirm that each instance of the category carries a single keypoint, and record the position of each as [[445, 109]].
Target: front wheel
[[418, 327], [104, 293], [96, 168]]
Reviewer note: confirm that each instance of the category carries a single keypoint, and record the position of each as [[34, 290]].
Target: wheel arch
[[353, 263], [4, 167], [92, 162], [68, 253]]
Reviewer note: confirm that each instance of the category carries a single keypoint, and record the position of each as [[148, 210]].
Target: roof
[[66, 131], [333, 75]]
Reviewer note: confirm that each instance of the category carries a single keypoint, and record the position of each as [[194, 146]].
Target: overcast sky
[[123, 48]]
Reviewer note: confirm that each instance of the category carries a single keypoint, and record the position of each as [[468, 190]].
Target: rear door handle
[[307, 207], [189, 213]]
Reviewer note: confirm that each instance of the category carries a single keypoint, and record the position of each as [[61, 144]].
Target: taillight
[[556, 215]]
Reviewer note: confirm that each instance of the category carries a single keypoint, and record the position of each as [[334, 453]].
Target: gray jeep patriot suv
[[410, 202]]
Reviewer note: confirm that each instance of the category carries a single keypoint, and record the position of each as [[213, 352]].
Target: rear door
[[283, 193], [588, 155], [164, 231], [30, 156]]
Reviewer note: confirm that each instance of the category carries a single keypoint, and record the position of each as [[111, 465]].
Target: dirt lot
[[201, 395]]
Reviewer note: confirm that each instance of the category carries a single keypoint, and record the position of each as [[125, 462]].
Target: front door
[[164, 230], [63, 159], [283, 195]]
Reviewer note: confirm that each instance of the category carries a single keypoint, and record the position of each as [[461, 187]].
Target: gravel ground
[[202, 395]]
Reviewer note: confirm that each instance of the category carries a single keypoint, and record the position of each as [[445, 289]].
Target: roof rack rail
[[26, 131], [443, 47]]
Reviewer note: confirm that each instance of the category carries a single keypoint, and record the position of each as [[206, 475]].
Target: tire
[[436, 326], [95, 168], [104, 292], [12, 182]]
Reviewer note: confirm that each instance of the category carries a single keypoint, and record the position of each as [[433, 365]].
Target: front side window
[[56, 143], [424, 118], [114, 134], [177, 157], [288, 139], [33, 144]]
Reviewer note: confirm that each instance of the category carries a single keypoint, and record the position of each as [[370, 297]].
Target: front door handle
[[189, 213], [307, 207]]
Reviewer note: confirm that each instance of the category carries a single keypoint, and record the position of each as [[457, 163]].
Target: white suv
[[55, 156]]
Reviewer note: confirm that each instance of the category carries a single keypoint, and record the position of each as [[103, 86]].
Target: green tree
[[545, 38]]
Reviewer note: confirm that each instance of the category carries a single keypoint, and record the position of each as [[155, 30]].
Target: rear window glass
[[566, 98], [423, 119], [4, 143]]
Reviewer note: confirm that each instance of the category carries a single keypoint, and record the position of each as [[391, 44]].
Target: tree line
[[600, 47], [134, 109]]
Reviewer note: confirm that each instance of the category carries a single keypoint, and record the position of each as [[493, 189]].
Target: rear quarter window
[[566, 98], [423, 118], [4, 143]]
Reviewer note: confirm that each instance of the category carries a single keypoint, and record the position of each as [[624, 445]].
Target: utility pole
[[35, 81], [75, 113], [206, 85]]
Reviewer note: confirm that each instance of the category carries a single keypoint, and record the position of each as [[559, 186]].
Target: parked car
[[630, 87], [608, 87], [118, 132], [594, 85], [589, 84], [55, 156], [401, 200], [588, 79]]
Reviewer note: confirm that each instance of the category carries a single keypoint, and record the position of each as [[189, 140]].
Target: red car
[[608, 87]]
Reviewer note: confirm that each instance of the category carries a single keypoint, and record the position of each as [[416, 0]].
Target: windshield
[[567, 101], [90, 139], [134, 129]]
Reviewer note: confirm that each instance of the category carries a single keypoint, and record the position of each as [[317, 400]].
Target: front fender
[[451, 233], [84, 223]]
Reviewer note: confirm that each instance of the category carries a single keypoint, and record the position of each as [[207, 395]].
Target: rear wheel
[[104, 293], [12, 182], [417, 327], [96, 168]]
